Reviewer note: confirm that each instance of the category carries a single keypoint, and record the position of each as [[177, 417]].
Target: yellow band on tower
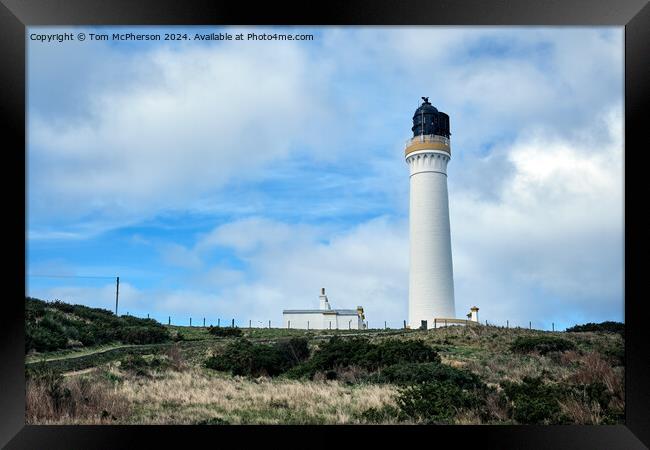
[[416, 146]]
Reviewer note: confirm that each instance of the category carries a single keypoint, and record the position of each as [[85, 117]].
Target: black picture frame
[[16, 15]]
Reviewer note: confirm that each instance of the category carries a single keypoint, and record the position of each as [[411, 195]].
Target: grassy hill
[[52, 326], [459, 375]]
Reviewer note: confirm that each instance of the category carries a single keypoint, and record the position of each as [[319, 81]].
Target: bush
[[386, 413], [415, 373], [225, 332], [242, 357], [359, 352], [142, 366], [534, 402], [608, 326], [434, 402], [541, 344], [394, 351], [44, 339], [144, 334]]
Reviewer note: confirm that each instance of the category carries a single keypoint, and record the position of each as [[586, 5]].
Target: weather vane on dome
[[426, 99]]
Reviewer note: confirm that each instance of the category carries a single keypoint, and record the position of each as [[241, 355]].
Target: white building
[[324, 318], [431, 280]]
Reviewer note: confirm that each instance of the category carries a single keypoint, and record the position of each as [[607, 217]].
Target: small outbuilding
[[324, 318]]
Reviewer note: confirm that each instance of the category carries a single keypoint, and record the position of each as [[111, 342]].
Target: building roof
[[344, 312]]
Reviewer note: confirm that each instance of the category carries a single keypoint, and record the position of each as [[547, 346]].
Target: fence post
[[249, 323], [384, 324], [553, 325], [507, 324], [288, 324], [147, 315], [530, 325], [204, 322], [219, 322], [269, 324], [405, 324], [486, 323], [233, 323], [190, 321], [169, 320], [308, 324]]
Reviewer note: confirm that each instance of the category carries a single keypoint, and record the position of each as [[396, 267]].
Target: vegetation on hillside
[[609, 326], [224, 331], [455, 375], [56, 325], [541, 344]]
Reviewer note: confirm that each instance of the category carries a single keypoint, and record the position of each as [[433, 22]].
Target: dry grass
[[176, 358], [593, 368], [189, 394], [582, 413], [192, 396], [77, 400]]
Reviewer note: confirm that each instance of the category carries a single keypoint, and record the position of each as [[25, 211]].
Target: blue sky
[[235, 179]]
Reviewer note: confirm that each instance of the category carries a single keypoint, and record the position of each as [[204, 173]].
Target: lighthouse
[[431, 279]]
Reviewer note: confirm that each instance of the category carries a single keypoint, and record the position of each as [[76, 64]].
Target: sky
[[234, 179]]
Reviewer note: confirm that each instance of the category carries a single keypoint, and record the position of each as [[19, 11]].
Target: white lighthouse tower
[[431, 279]]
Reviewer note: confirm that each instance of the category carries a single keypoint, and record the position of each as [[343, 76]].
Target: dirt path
[[80, 354]]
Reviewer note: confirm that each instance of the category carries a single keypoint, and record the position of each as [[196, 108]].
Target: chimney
[[324, 303]]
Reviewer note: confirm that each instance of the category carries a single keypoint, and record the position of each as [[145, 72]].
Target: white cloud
[[208, 114], [552, 242], [536, 191]]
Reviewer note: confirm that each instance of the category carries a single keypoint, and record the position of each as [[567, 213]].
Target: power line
[[68, 276]]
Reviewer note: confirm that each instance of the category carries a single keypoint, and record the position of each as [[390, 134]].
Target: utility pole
[[117, 293]]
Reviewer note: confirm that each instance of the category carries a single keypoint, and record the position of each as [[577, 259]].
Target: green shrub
[[434, 402], [395, 351], [245, 358], [140, 335], [142, 366], [541, 344], [225, 332], [386, 413], [360, 352], [44, 339], [415, 373], [534, 402], [608, 326]]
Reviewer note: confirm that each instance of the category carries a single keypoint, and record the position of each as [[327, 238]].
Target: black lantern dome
[[428, 120]]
